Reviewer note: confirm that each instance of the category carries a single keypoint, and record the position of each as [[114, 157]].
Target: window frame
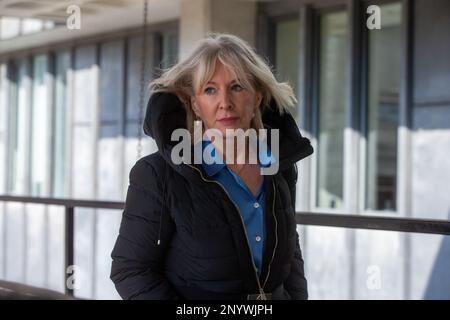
[[315, 77], [402, 160], [354, 138]]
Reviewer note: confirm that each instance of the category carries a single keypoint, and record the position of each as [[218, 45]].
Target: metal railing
[[69, 205], [304, 218]]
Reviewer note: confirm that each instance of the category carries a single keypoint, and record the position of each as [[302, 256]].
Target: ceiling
[[56, 9], [97, 17]]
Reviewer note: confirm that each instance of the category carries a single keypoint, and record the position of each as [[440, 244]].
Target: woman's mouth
[[228, 120]]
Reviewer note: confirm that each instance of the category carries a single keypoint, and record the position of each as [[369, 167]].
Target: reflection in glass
[[169, 49], [333, 56], [287, 54], [40, 126], [20, 77], [60, 137], [382, 114]]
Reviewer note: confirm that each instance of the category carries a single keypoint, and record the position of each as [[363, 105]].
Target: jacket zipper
[[261, 289], [276, 234]]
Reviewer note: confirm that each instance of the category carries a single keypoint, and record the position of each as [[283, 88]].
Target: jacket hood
[[165, 113]]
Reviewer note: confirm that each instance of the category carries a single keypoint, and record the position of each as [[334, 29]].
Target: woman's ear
[[258, 100], [194, 107]]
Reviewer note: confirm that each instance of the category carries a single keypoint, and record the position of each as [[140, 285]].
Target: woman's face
[[223, 104]]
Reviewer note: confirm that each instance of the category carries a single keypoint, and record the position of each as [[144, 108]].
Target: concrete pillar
[[198, 17]]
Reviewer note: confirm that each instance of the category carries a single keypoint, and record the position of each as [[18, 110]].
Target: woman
[[213, 231]]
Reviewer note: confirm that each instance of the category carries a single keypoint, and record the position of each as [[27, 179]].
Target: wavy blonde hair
[[190, 75]]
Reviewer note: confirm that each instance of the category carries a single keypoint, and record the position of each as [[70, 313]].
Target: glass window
[[61, 125], [40, 125], [287, 53], [133, 78], [11, 163], [18, 158], [384, 60], [169, 49], [331, 105], [111, 94]]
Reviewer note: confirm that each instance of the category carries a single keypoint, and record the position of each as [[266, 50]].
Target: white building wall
[[430, 256]]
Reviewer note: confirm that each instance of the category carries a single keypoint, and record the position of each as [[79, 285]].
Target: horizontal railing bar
[[66, 202], [303, 218], [374, 223]]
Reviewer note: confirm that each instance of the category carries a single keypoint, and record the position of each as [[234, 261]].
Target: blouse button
[[258, 238], [256, 205]]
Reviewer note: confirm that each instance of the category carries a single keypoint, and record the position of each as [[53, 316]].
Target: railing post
[[68, 249]]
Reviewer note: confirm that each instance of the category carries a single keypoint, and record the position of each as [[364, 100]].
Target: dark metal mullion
[[315, 98], [306, 67], [69, 249], [53, 66], [11, 92], [305, 93], [364, 98]]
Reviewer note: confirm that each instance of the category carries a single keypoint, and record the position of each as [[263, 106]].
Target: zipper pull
[[262, 295]]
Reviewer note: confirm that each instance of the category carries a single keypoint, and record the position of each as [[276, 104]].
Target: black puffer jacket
[[181, 236]]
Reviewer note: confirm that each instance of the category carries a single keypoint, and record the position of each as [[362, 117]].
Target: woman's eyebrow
[[212, 82]]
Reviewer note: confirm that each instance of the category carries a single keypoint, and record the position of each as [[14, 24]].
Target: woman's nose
[[225, 101]]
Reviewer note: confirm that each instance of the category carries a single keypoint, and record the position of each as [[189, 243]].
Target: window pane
[[20, 91], [169, 49], [383, 265], [111, 120], [12, 76], [40, 128], [60, 148], [384, 54], [133, 112], [287, 53], [333, 62]]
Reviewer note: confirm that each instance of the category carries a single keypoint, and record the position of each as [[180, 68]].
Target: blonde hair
[[188, 76]]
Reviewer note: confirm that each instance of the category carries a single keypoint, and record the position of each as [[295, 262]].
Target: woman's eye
[[237, 87], [209, 90]]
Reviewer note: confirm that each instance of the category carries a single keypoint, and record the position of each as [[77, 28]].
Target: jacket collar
[[165, 113], [212, 167]]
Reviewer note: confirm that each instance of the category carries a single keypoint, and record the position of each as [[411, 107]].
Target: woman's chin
[[229, 131]]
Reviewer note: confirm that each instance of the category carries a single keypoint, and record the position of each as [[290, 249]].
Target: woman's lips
[[228, 120]]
